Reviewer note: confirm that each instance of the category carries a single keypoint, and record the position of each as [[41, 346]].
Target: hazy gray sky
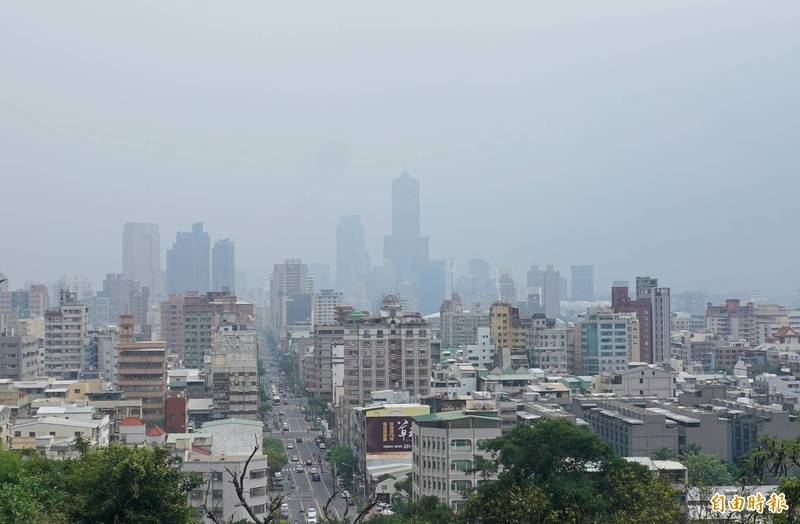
[[644, 137]]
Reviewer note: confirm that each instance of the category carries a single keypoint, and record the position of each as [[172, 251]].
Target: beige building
[[232, 377], [142, 371], [444, 447], [388, 351], [509, 335]]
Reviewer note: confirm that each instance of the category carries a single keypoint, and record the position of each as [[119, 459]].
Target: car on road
[[321, 445], [311, 520], [299, 439], [298, 469], [295, 459], [345, 494], [315, 475], [309, 462], [290, 446]]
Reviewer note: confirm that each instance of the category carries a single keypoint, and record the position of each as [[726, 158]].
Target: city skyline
[[572, 149]]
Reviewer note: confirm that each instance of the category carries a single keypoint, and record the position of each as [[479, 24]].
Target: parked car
[[299, 439]]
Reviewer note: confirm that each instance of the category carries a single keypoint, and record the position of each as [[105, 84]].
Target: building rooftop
[[131, 421], [445, 416]]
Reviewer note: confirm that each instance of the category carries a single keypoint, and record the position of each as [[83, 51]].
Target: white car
[[290, 446], [311, 513], [295, 459]]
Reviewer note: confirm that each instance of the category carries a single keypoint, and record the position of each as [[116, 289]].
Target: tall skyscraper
[[548, 283], [506, 287], [141, 255], [352, 260], [405, 249], [223, 271], [583, 282], [188, 267], [289, 280]]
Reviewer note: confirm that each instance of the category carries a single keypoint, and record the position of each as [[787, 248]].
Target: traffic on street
[[306, 481]]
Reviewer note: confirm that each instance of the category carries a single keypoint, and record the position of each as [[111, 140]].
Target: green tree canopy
[[116, 484], [565, 473], [276, 454], [344, 462]]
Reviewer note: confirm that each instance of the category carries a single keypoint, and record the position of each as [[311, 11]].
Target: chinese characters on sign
[[776, 503], [388, 434]]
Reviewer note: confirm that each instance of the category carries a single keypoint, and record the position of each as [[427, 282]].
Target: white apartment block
[[647, 380], [232, 377], [232, 442], [444, 447], [65, 337], [323, 306], [482, 353]]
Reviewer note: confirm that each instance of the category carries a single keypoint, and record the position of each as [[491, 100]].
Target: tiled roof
[[132, 421]]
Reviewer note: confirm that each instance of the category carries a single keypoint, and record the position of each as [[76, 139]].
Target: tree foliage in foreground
[[116, 484], [555, 471]]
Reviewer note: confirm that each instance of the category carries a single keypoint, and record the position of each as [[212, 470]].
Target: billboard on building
[[389, 428]]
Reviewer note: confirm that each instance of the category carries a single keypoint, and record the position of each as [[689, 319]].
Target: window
[[461, 465], [460, 445], [460, 485]]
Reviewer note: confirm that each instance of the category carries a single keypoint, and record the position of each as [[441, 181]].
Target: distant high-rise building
[[405, 249], [288, 280], [223, 266], [117, 288], [548, 282], [352, 260], [188, 262], [79, 285], [608, 341], [141, 255], [506, 287], [321, 274], [583, 282]]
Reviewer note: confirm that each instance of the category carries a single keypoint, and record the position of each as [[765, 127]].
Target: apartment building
[[459, 327], [387, 351], [550, 348], [733, 321], [142, 372], [220, 446], [631, 430], [19, 357], [444, 447], [232, 372], [639, 380], [323, 306], [608, 341], [509, 333], [65, 336]]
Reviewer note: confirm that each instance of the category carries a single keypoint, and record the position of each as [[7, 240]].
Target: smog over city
[[317, 242]]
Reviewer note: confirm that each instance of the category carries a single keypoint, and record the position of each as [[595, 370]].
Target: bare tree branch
[[238, 486], [365, 511], [209, 513]]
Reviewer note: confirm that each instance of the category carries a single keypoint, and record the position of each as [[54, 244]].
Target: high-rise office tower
[[405, 249], [352, 260], [548, 282], [288, 281], [188, 267], [506, 287], [65, 336], [141, 255], [583, 282], [223, 271], [321, 274]]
